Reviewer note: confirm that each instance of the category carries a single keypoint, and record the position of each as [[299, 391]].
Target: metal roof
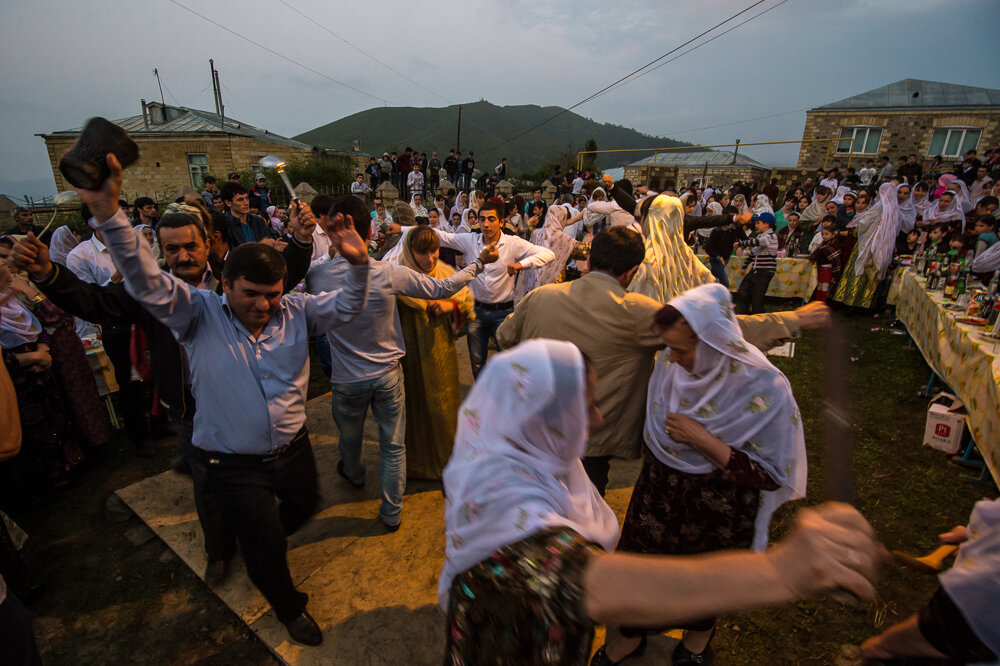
[[182, 120], [714, 158], [917, 94]]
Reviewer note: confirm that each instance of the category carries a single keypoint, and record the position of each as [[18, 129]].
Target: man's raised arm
[[165, 297]]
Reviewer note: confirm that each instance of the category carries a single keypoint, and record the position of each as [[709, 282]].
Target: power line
[[362, 51], [679, 55], [283, 57], [197, 94], [632, 73], [737, 122], [252, 115]]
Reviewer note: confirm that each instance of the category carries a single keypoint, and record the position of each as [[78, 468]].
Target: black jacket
[[720, 242], [112, 305], [693, 222]]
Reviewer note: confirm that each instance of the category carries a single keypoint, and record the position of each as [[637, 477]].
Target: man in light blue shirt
[[365, 355], [248, 356]]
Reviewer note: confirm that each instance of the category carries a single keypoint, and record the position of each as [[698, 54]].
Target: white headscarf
[[952, 212], [475, 201], [552, 236], [458, 207], [921, 205], [714, 208], [737, 395], [740, 202], [962, 196], [670, 267], [839, 196], [18, 326], [878, 227], [62, 243], [418, 211], [515, 469], [762, 204], [974, 581]]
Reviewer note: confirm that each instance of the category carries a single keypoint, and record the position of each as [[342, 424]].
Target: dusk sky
[[67, 60]]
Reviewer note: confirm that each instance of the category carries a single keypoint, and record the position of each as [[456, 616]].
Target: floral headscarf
[[515, 469], [552, 236], [670, 267], [736, 394]]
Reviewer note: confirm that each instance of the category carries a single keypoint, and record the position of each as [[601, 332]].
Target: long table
[[794, 278], [961, 354]]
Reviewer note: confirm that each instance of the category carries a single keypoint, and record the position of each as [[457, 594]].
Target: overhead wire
[[363, 52], [282, 56], [698, 46], [630, 74]]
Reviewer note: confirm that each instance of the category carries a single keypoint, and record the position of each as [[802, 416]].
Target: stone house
[[676, 168], [179, 146], [925, 118]]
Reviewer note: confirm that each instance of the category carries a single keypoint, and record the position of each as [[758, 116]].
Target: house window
[[198, 168], [866, 140], [953, 141]]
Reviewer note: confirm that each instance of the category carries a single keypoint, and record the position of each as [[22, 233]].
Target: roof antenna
[[162, 101]]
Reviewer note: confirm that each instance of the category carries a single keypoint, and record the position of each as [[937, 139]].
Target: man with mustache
[[185, 242]]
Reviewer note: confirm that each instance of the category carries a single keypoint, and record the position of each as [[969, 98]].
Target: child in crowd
[[907, 243], [826, 222], [790, 238], [760, 265], [935, 238], [985, 231], [826, 257]]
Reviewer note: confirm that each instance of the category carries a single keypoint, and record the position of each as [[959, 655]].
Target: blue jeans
[[386, 396], [718, 269], [481, 329]]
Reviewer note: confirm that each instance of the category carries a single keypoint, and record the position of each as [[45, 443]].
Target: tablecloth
[[794, 278], [961, 354]]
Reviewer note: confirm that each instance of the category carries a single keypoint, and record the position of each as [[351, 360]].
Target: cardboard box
[[945, 424]]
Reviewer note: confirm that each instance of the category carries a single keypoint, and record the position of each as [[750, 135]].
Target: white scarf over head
[[62, 243], [552, 236], [737, 395], [18, 326], [952, 212], [670, 267], [762, 204], [515, 469], [878, 226]]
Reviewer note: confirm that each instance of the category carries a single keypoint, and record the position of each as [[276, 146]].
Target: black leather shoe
[[340, 471], [684, 657], [217, 572], [305, 630], [601, 658]]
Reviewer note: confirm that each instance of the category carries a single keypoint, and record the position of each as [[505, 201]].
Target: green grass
[[908, 492]]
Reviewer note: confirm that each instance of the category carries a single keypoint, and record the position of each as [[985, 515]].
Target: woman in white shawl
[[475, 201], [947, 208], [740, 202], [670, 267], [418, 206], [838, 198], [761, 204], [527, 571], [961, 191], [724, 447], [550, 235], [461, 203], [920, 200], [63, 241], [877, 229]]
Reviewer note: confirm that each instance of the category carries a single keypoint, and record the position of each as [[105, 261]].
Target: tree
[[589, 161]]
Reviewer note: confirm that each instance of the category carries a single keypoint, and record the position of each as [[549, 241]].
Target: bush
[[320, 172]]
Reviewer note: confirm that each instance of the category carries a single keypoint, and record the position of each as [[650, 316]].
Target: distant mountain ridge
[[484, 127]]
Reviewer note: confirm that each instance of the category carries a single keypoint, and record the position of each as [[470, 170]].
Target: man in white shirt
[[867, 173], [415, 181], [493, 289], [578, 183]]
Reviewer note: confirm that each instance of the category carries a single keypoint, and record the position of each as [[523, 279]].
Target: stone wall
[[162, 168], [903, 133]]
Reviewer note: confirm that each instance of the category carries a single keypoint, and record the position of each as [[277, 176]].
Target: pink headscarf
[[944, 181]]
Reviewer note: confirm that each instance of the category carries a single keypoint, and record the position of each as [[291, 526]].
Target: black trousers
[[117, 343], [220, 538], [17, 638], [246, 488], [750, 296], [597, 468]]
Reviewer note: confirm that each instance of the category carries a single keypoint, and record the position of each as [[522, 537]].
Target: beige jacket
[[613, 328]]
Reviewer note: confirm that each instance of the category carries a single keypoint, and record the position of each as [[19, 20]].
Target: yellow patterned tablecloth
[[962, 355], [795, 277]]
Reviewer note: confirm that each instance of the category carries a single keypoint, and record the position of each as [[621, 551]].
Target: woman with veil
[[863, 283]]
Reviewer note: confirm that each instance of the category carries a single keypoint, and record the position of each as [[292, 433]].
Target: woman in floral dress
[[724, 448]]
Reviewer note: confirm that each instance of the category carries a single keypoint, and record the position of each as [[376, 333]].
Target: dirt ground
[[109, 600]]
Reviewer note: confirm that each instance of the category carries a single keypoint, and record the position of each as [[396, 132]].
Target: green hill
[[484, 127]]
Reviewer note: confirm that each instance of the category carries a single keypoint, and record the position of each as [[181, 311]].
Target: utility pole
[[220, 108], [737, 151], [157, 75], [215, 94], [458, 140]]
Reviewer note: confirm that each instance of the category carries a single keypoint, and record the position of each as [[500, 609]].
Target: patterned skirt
[[523, 605]]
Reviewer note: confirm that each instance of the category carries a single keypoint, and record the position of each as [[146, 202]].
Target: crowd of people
[[615, 340]]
